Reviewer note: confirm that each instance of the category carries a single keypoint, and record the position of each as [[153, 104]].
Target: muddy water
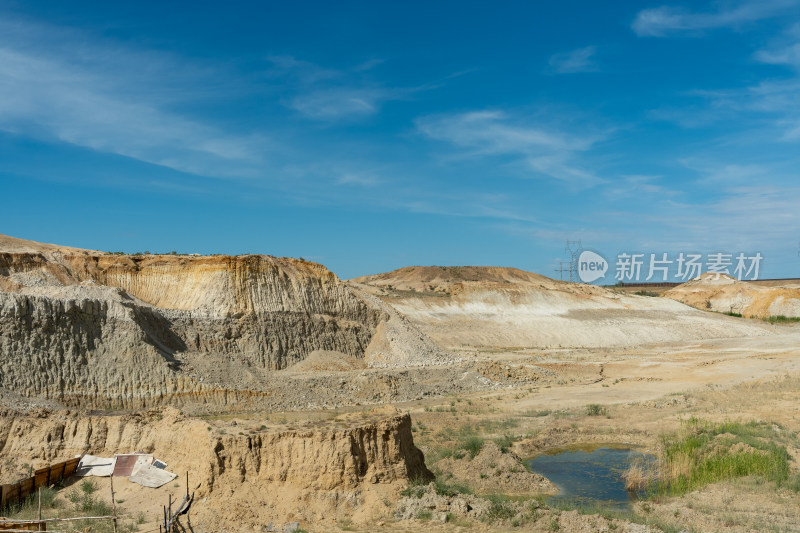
[[588, 478]]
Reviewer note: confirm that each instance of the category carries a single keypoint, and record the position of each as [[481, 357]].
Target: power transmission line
[[573, 251]]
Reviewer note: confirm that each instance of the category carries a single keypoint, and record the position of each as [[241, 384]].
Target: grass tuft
[[702, 453], [781, 319], [595, 409], [472, 445], [500, 508]]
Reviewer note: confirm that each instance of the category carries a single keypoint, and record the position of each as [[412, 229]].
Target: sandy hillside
[[724, 294], [506, 307], [15, 245]]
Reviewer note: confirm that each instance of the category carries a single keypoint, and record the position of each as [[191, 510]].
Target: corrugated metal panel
[[125, 463]]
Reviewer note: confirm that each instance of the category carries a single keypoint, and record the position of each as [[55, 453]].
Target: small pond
[[588, 479]]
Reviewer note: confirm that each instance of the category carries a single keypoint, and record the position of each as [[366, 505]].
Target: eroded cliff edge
[[106, 330], [240, 476]]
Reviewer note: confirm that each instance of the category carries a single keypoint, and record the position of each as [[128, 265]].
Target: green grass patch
[[472, 445], [595, 409], [451, 489], [781, 319], [501, 507], [424, 515], [703, 453], [81, 499], [505, 442], [28, 509], [415, 489], [534, 413]]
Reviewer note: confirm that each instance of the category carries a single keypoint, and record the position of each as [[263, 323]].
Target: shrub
[[505, 442], [84, 500], [500, 508], [595, 409], [415, 488], [473, 446], [444, 489]]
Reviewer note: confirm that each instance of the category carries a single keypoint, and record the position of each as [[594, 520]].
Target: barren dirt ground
[[644, 392], [541, 404]]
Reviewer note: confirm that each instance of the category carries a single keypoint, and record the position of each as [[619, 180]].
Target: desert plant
[[415, 488], [595, 409], [473, 446], [500, 508]]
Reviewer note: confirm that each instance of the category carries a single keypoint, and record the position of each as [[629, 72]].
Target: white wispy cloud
[[637, 186], [545, 150], [664, 20], [580, 60], [738, 219], [56, 84], [762, 113], [339, 103], [459, 204], [779, 100], [786, 51], [716, 173], [788, 55], [359, 179], [301, 70], [329, 95]]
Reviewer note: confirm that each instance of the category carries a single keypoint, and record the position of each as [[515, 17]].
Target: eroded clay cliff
[[314, 467], [97, 329]]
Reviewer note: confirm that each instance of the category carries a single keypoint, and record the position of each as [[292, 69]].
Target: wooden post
[[113, 504], [40, 508], [187, 483]]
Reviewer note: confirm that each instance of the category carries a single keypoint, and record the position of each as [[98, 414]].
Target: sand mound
[[724, 294], [15, 245], [443, 279], [509, 308], [491, 470]]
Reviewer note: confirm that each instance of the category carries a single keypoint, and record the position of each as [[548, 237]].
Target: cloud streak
[[330, 95], [665, 20], [55, 87], [545, 151], [575, 61], [339, 103], [785, 53]]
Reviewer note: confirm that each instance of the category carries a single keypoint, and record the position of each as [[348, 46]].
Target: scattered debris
[[126, 463], [92, 465], [151, 476], [141, 468]]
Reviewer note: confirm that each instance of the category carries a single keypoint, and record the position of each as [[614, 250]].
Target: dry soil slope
[[507, 307], [724, 294], [124, 330], [319, 469]]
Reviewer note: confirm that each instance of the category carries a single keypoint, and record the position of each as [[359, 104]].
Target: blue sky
[[369, 136]]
